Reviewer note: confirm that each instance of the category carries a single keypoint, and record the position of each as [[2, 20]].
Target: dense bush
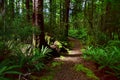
[[28, 57], [15, 30], [16, 48], [105, 56], [80, 33]]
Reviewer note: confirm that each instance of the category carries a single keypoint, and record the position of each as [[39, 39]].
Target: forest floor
[[63, 67]]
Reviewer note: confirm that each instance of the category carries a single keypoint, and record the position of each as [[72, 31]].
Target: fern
[[7, 68], [105, 56]]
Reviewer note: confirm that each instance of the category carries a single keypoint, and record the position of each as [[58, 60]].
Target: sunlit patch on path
[[63, 67], [74, 54], [67, 72]]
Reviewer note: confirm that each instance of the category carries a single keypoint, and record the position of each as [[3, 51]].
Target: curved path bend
[[66, 70]]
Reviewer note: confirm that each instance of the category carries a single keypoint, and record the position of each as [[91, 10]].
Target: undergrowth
[[80, 33], [105, 56], [88, 72], [7, 68]]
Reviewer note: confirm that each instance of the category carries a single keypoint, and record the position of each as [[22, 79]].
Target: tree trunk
[[38, 21], [108, 23], [28, 10], [2, 17], [41, 23], [66, 16], [2, 7]]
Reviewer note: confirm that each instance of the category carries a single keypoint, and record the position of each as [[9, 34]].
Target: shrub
[[31, 58], [105, 56], [80, 33]]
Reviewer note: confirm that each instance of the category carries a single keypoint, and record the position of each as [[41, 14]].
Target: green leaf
[[2, 70], [13, 72]]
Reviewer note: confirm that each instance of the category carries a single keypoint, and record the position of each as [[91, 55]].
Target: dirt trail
[[67, 71]]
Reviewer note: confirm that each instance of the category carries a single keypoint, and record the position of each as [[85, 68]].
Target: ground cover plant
[[106, 56], [88, 72], [6, 68]]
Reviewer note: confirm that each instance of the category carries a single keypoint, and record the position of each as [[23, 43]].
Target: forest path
[[63, 67], [66, 70]]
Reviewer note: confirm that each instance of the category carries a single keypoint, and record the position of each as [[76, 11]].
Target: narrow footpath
[[67, 71], [63, 67]]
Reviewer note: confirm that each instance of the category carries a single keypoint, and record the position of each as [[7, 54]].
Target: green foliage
[[90, 40], [71, 45], [88, 72], [13, 34], [38, 57], [20, 30], [47, 78], [27, 56], [7, 68], [2, 46], [17, 29], [105, 56], [54, 64], [80, 33], [114, 43], [98, 38], [101, 38], [40, 53]]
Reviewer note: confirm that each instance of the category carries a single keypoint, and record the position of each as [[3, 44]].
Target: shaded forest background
[[96, 20]]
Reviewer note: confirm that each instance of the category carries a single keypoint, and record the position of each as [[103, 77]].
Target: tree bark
[[2, 7], [41, 23], [38, 21], [28, 10], [66, 16]]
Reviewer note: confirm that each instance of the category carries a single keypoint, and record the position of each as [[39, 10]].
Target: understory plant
[[28, 57], [116, 70], [15, 45], [105, 56], [80, 33], [89, 73], [7, 67]]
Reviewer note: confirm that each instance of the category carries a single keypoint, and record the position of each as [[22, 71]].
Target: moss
[[89, 73], [50, 77], [54, 64], [71, 44]]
